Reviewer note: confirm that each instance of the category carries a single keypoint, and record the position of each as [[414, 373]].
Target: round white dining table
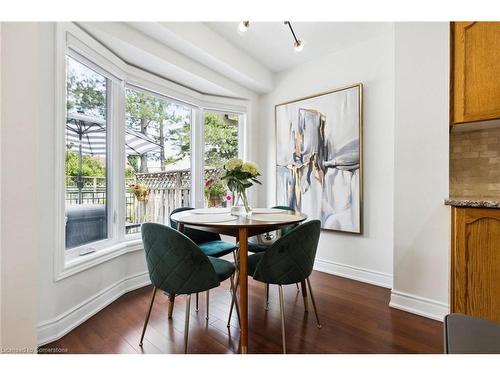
[[220, 221]]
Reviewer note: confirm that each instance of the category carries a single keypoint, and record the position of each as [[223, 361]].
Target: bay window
[[131, 147]]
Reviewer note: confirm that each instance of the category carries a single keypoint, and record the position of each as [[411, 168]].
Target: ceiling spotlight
[[298, 45], [243, 26]]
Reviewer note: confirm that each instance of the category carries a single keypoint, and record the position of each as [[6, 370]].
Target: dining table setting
[[222, 221]]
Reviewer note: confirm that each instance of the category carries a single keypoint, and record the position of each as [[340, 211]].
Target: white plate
[[215, 210], [276, 217], [267, 210], [199, 219]]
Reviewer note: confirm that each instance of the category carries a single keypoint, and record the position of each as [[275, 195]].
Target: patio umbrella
[[89, 134]]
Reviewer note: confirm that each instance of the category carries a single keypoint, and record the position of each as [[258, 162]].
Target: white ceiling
[[213, 58], [143, 51], [271, 43]]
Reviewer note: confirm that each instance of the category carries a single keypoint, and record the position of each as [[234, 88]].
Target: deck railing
[[168, 190]]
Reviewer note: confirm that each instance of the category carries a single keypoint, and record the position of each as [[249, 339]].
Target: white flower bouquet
[[240, 176]]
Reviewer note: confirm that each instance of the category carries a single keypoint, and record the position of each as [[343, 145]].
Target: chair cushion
[[217, 248], [253, 260], [223, 268]]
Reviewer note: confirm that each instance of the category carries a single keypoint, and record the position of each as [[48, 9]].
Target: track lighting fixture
[[298, 44], [243, 26]]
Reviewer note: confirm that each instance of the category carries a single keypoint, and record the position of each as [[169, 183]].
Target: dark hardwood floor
[[355, 318]]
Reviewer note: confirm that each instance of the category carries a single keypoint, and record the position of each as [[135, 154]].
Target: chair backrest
[[288, 208], [175, 263], [291, 258], [288, 228], [198, 236]]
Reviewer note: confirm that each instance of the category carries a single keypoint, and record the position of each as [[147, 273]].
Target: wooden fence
[[168, 191]]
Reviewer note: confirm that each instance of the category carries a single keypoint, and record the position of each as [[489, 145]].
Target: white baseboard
[[54, 329], [418, 305], [355, 273]]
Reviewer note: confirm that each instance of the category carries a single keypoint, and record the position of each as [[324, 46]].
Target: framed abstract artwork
[[319, 157]]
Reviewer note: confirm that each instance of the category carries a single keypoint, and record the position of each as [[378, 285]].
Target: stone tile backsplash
[[475, 163]]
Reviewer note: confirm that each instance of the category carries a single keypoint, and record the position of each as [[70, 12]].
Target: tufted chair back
[[176, 264], [198, 236], [290, 259]]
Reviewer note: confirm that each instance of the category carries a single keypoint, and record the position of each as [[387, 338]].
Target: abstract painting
[[318, 157]]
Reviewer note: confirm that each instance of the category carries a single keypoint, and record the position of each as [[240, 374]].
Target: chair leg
[[197, 307], [304, 295], [233, 299], [148, 315], [235, 257], [267, 297], [297, 286], [186, 323], [282, 310], [208, 301], [314, 303], [171, 301]]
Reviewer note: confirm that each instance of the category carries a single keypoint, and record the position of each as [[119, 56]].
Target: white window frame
[[111, 206], [194, 109], [241, 143], [71, 40]]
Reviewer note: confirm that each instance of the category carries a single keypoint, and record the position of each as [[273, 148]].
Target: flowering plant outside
[[214, 189], [140, 191], [240, 176]]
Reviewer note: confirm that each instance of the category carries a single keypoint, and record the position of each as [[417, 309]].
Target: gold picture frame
[[327, 216]]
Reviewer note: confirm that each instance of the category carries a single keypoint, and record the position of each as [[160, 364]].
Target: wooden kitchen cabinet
[[475, 71], [475, 262]]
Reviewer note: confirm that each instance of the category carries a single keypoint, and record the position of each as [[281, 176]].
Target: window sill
[[85, 262]]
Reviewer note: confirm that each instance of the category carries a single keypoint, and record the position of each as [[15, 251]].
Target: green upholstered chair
[[177, 266], [210, 243], [254, 247], [258, 248], [287, 261]]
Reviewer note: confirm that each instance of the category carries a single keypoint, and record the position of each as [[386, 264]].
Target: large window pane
[[86, 151], [158, 158], [221, 144]]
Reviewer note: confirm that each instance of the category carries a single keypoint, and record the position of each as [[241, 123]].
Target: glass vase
[[241, 206]]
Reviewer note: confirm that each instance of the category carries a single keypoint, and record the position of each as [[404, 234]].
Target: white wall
[[20, 177], [367, 257], [421, 221]]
